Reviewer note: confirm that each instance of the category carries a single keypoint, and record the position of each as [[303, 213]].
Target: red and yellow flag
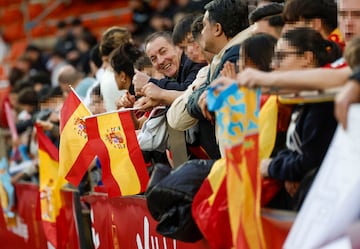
[[210, 208], [75, 152], [50, 185], [237, 112], [112, 136]]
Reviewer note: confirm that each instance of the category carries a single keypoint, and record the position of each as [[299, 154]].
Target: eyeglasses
[[280, 55]]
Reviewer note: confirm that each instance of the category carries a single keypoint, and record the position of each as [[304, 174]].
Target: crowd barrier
[[111, 223]]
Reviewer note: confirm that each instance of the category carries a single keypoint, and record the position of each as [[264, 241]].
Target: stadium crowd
[[170, 56]]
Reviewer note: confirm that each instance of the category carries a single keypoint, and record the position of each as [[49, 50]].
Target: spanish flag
[[75, 152], [210, 208], [237, 113], [112, 136], [50, 185]]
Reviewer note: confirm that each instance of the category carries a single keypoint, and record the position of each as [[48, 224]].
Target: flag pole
[[73, 90], [110, 112]]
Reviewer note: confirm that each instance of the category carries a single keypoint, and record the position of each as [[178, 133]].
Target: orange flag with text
[[75, 152], [50, 185], [112, 136]]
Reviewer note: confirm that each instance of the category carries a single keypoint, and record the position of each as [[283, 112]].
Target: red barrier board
[[128, 224], [121, 222], [25, 230]]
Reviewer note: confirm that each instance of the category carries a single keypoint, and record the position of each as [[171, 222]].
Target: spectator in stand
[[96, 70], [68, 75], [122, 62], [169, 60], [177, 115], [96, 62], [140, 27], [23, 64], [190, 7], [96, 107], [96, 101], [267, 19], [28, 102], [162, 18], [110, 40], [183, 38], [64, 40], [40, 82], [37, 57], [49, 116], [318, 15], [221, 36], [76, 30], [312, 125], [56, 62], [335, 74], [84, 43], [143, 64]]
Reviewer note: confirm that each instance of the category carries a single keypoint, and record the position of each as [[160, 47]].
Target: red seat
[[11, 14], [17, 48], [35, 9], [13, 31]]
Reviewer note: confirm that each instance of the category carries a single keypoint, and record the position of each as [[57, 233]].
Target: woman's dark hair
[[259, 49], [196, 27], [306, 39], [326, 10], [123, 58]]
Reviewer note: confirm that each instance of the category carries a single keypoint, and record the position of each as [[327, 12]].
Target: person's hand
[[202, 102], [15, 142], [54, 117], [139, 80], [152, 91], [45, 125], [125, 101], [229, 70], [222, 83], [291, 187], [146, 104], [264, 167], [350, 93], [253, 78]]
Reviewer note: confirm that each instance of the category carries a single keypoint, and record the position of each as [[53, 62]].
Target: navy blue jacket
[[315, 127]]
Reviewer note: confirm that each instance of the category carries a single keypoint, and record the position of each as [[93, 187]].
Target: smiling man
[[169, 60]]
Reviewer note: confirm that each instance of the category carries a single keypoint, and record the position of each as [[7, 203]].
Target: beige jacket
[[177, 115]]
